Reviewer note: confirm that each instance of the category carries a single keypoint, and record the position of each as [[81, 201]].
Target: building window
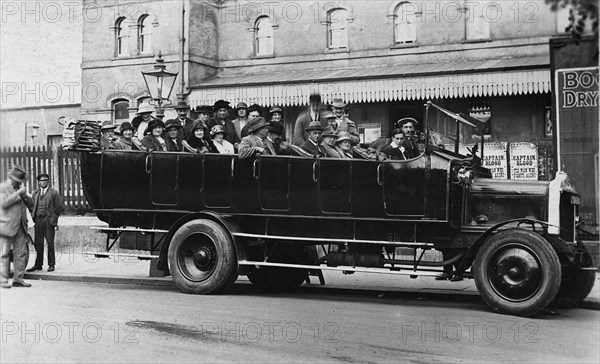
[[120, 38], [120, 111], [144, 35], [263, 37], [477, 21], [405, 27], [337, 21]]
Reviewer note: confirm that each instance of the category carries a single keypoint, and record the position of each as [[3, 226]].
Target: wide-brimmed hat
[[338, 103], [327, 115], [198, 124], [42, 175], [207, 109], [314, 125], [107, 125], [277, 128], [217, 129], [343, 135], [17, 173], [275, 109], [145, 108], [172, 123], [403, 121], [125, 125], [329, 132], [153, 124], [182, 105], [221, 104], [241, 105], [257, 123]]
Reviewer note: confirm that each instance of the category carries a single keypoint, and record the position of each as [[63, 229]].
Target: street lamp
[[31, 131], [159, 83]]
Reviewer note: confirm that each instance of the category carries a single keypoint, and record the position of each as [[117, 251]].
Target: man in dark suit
[[186, 123], [47, 207], [221, 108], [395, 150], [275, 141], [410, 143], [312, 113], [313, 144]]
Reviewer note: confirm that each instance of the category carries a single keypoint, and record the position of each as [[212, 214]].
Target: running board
[[395, 270], [108, 255], [335, 241], [106, 228]]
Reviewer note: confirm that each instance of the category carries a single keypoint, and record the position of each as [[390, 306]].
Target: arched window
[[405, 27], [144, 34], [120, 37], [337, 28], [120, 111], [263, 36]]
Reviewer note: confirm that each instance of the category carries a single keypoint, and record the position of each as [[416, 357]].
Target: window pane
[[145, 35], [121, 110], [406, 30], [338, 29], [264, 37]]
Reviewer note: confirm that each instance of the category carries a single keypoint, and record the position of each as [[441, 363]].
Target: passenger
[[173, 136], [312, 113], [313, 144], [125, 141], [141, 121], [410, 144], [254, 112], [186, 123], [276, 115], [342, 122], [221, 108], [196, 142], [241, 111], [107, 140], [275, 141], [395, 150], [253, 145], [221, 145], [343, 144], [329, 138], [153, 140]]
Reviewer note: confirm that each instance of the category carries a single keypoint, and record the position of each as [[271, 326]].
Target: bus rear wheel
[[202, 257], [517, 272], [279, 279]]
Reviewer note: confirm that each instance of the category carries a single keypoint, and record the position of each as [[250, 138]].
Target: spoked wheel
[[275, 279], [517, 272], [202, 257], [576, 283]]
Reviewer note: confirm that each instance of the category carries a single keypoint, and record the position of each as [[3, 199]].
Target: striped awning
[[381, 84]]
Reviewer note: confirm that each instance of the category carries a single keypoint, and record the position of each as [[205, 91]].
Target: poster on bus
[[523, 161]]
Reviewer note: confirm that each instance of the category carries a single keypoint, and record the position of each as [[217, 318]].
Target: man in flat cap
[[13, 226], [410, 143], [221, 108], [47, 207]]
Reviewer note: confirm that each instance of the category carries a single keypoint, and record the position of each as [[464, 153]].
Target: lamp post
[[159, 83], [31, 131]]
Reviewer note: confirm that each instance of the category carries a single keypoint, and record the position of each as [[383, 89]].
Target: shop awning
[[457, 79]]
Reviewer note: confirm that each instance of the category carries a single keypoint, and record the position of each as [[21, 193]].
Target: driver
[[407, 125]]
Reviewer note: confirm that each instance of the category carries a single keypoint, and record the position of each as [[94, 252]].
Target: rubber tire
[[549, 269], [576, 284], [225, 262], [275, 279]]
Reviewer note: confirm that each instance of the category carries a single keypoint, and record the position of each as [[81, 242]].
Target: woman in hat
[[222, 108], [276, 114], [343, 144], [107, 141], [173, 137], [142, 119], [329, 138], [154, 141], [125, 141], [196, 142], [221, 145]]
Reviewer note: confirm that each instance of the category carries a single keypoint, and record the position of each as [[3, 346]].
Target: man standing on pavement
[[47, 207], [13, 226], [313, 113]]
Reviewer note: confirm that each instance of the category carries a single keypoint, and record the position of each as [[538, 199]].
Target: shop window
[[337, 29], [120, 111], [144, 35], [263, 37], [480, 110], [405, 27], [478, 17], [120, 38]]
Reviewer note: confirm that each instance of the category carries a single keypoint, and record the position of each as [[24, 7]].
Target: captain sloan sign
[[579, 88]]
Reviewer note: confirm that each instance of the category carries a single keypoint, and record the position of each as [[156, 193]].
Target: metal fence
[[64, 168]]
